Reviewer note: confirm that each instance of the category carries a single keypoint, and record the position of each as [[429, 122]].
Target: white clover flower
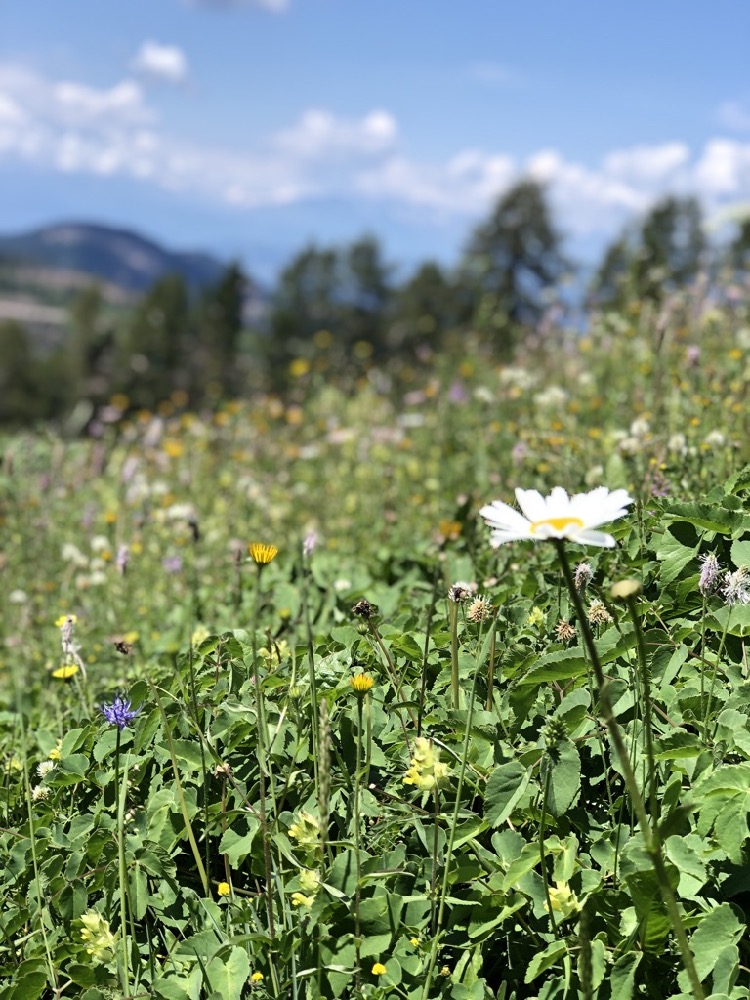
[[556, 516]]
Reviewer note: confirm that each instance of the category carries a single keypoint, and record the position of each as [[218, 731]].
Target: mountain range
[[119, 257]]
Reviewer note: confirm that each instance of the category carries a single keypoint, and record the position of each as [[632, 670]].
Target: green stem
[[542, 856], [713, 678], [651, 837], [357, 847], [647, 709], [121, 790], [455, 688], [456, 808]]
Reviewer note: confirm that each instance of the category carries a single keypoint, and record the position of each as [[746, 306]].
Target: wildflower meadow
[[430, 684]]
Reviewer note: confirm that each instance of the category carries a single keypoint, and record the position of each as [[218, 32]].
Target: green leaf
[[237, 845], [709, 516], [718, 928], [562, 664], [505, 786], [563, 764], [673, 554], [228, 977], [736, 620], [622, 976], [545, 960], [740, 553], [31, 979]]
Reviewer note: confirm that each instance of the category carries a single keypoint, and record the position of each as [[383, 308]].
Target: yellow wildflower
[[64, 619], [564, 901], [257, 977], [425, 770], [262, 552], [99, 940], [224, 889], [361, 684], [306, 831], [65, 672], [379, 969]]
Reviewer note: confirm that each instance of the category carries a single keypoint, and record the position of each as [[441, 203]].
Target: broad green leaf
[[674, 555], [740, 553], [622, 976], [505, 786], [228, 976], [562, 664], [718, 928], [563, 765], [545, 960], [238, 845], [709, 516]]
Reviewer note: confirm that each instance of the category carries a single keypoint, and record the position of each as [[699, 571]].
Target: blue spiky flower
[[119, 713]]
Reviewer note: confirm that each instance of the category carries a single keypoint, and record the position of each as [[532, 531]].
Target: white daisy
[[557, 516]]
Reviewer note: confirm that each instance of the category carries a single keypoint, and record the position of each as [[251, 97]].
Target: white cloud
[[735, 116], [320, 133], [72, 127], [724, 168], [647, 163], [164, 62]]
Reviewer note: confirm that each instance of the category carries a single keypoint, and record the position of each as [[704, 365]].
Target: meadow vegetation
[[277, 721]]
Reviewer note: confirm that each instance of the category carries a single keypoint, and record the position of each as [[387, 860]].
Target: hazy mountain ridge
[[119, 257]]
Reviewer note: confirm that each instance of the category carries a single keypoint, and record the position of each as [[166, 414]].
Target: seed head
[[736, 587], [479, 610], [363, 609], [565, 632], [598, 614], [582, 576]]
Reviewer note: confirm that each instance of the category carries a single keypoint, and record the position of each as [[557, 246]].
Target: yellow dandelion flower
[[224, 889], [65, 672], [450, 530], [262, 552], [257, 977], [173, 448], [299, 367], [362, 683], [379, 969]]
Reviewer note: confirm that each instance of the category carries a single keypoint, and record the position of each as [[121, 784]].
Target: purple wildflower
[[119, 712], [308, 546], [172, 564], [709, 578], [123, 558]]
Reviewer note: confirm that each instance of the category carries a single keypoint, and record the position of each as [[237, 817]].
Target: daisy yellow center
[[558, 523]]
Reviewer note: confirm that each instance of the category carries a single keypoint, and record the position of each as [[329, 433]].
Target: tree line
[[347, 303]]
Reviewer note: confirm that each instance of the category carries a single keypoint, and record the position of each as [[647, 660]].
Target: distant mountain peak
[[120, 256]]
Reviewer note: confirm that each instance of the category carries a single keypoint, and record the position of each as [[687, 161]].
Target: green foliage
[[251, 833]]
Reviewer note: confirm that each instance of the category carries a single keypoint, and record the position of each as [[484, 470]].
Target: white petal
[[588, 537], [558, 503], [500, 515], [532, 503], [500, 537]]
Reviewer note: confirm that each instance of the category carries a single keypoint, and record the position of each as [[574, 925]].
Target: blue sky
[[250, 128]]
